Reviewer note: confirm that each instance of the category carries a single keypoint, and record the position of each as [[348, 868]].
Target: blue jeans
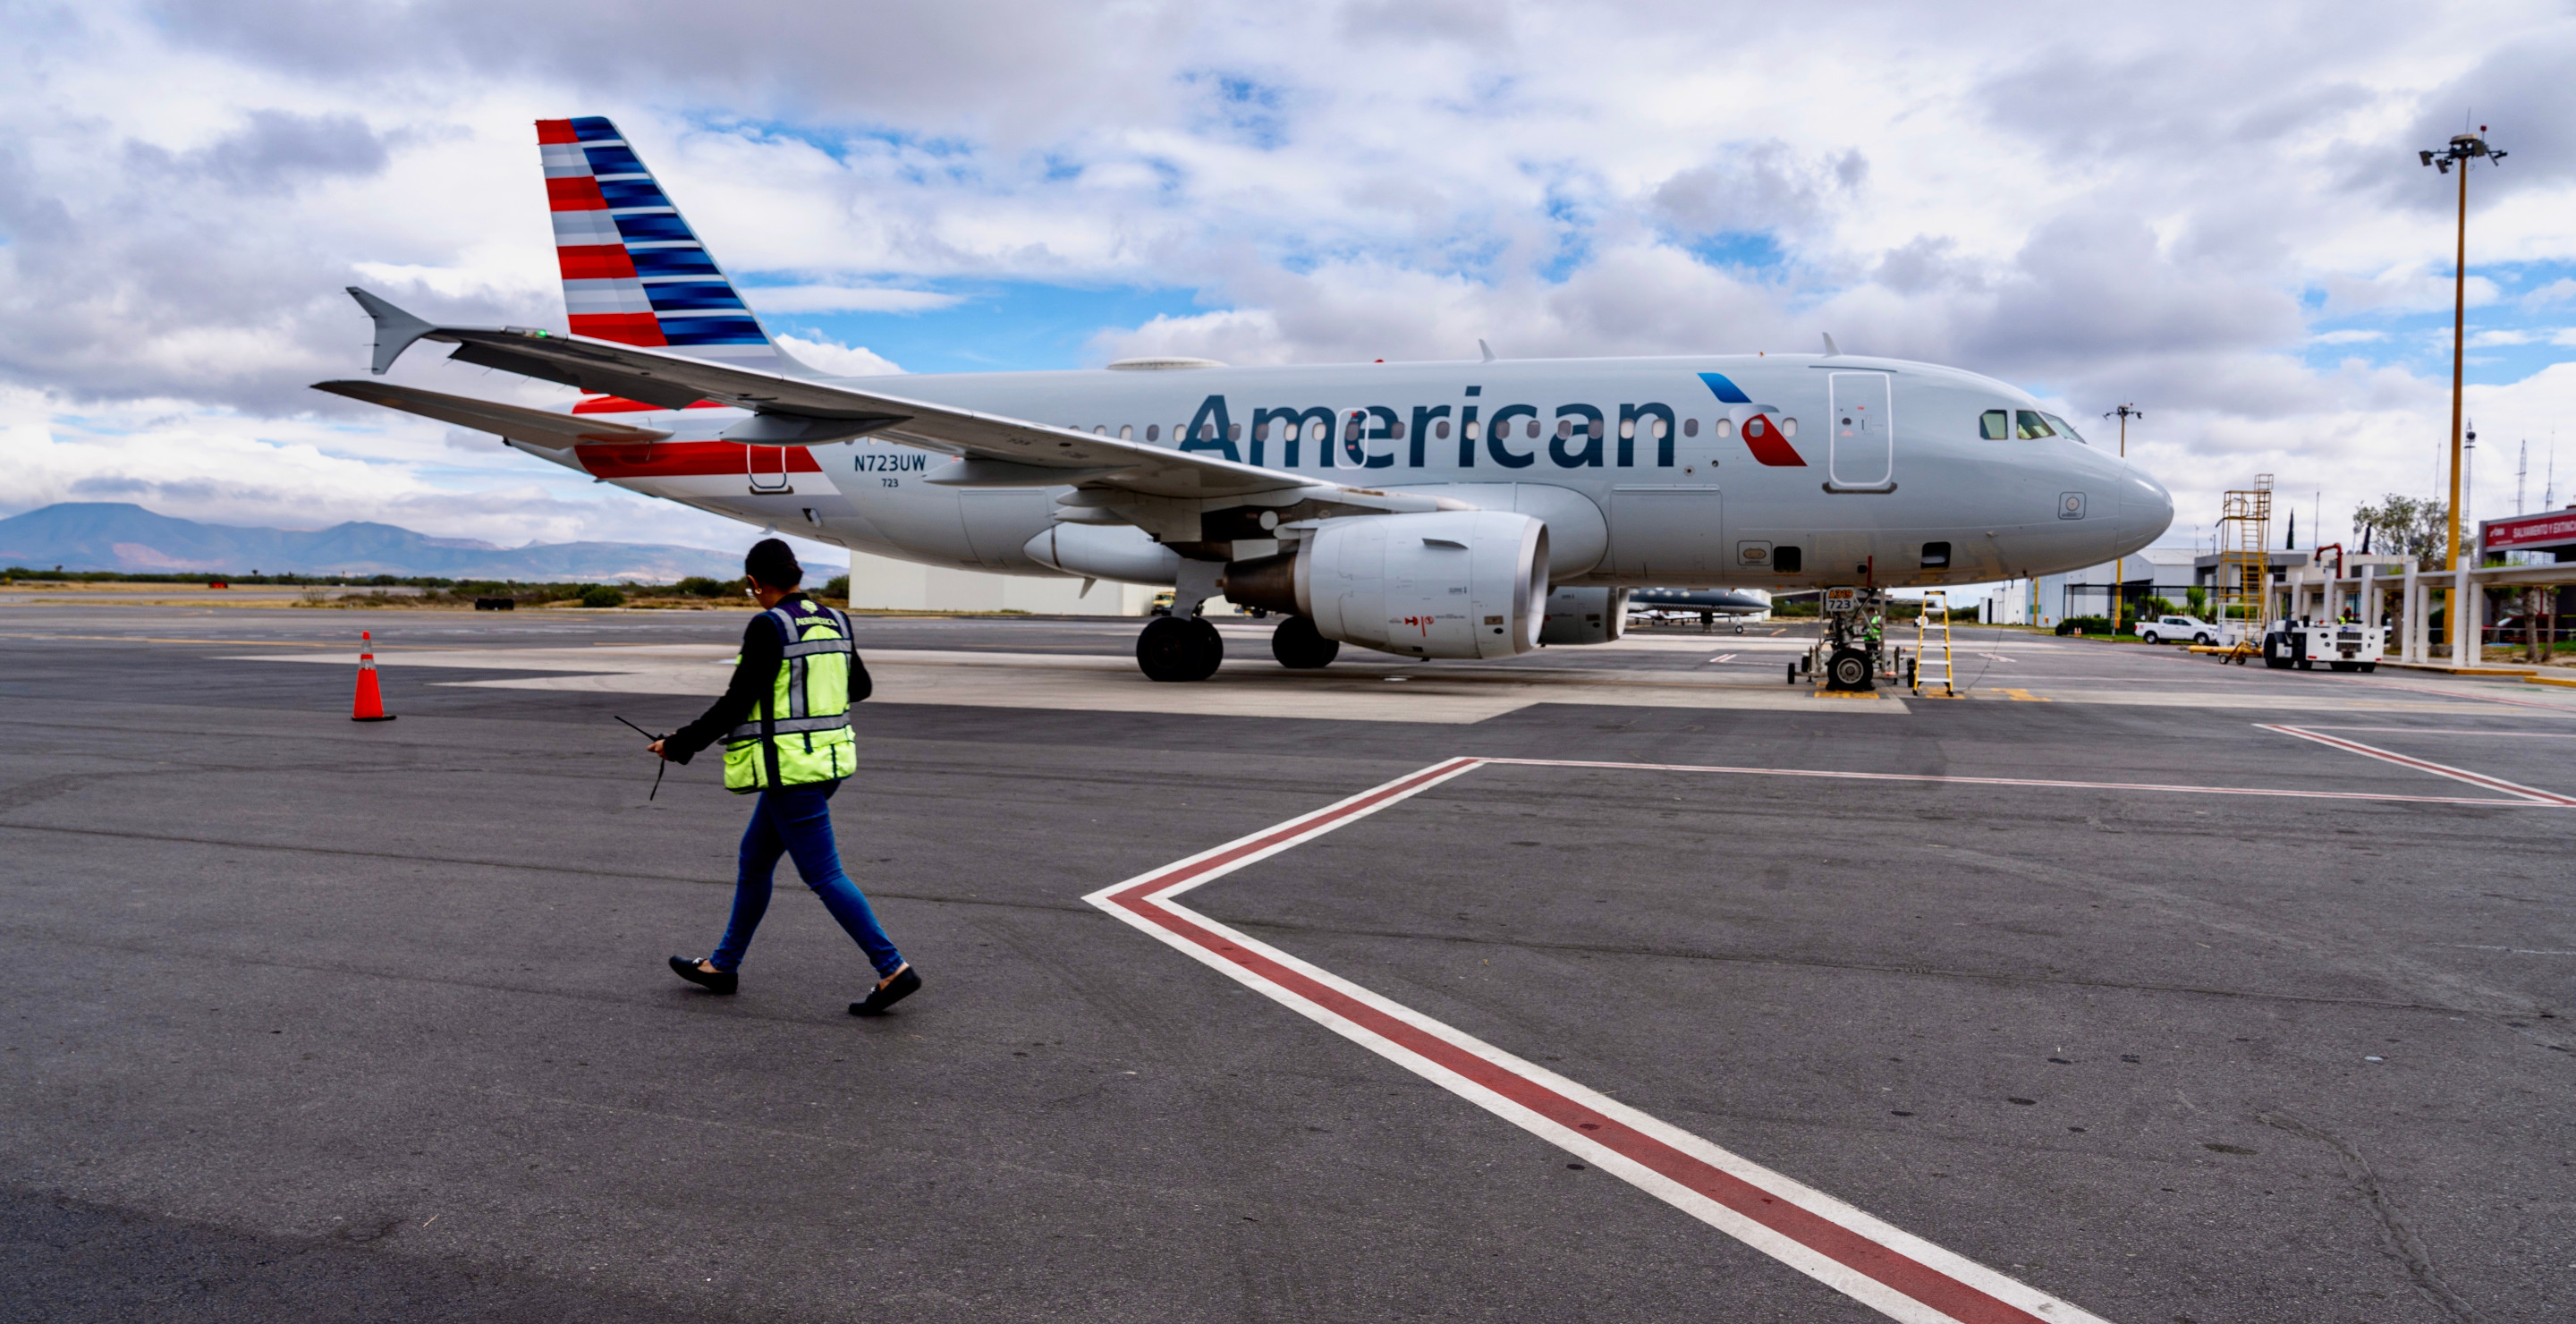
[[797, 820]]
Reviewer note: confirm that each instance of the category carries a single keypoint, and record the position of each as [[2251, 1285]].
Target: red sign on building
[[2547, 529]]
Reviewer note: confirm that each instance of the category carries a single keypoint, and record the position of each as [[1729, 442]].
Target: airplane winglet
[[1488, 350], [395, 329], [1832, 350]]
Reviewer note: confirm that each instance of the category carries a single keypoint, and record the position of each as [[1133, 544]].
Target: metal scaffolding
[[2243, 588]]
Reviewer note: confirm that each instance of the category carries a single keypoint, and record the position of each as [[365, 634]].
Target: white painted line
[[2162, 788], [2559, 708], [1723, 657], [2530, 793], [1873, 1262], [2447, 731]]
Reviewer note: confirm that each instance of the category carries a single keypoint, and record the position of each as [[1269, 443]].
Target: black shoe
[[904, 984], [715, 981]]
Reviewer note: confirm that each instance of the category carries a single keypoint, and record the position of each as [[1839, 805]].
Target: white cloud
[[2561, 290], [838, 360], [844, 299], [2102, 204]]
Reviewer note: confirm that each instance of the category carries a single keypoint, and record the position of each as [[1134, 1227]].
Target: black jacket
[[755, 677]]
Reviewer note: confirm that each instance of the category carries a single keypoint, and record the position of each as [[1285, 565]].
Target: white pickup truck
[[2177, 630]]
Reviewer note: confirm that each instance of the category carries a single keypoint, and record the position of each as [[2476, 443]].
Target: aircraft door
[[767, 466], [1860, 447]]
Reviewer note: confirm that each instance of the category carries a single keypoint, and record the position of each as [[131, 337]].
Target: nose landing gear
[[1851, 648]]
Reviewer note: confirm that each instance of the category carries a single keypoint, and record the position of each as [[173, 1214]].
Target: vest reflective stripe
[[799, 732]]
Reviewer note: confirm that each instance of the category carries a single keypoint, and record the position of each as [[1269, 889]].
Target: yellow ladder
[[1928, 647]]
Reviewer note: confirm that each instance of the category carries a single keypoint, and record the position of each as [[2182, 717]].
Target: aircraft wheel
[[1793, 673], [1848, 669], [1176, 649], [1299, 646]]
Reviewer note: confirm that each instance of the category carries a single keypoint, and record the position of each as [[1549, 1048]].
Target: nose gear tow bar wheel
[[1175, 649], [1848, 669], [1300, 647]]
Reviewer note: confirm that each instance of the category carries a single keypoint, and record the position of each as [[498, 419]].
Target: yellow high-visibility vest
[[799, 733]]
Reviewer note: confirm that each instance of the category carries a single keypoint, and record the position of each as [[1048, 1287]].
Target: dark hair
[[773, 562]]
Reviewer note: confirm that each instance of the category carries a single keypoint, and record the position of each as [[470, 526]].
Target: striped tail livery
[[633, 270]]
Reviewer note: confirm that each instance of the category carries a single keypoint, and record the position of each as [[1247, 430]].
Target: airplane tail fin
[[633, 270]]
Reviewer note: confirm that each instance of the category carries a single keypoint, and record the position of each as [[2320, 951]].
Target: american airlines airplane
[[1472, 509]]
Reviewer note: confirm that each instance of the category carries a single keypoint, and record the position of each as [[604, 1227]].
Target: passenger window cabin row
[[1356, 429], [1993, 425]]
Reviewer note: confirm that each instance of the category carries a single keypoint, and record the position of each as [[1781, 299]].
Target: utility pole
[[2521, 473], [2460, 151], [2119, 564]]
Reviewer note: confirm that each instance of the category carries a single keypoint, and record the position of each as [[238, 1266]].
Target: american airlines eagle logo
[[1759, 425]]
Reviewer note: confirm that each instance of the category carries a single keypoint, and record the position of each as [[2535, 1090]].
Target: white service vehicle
[[2177, 629], [2344, 646]]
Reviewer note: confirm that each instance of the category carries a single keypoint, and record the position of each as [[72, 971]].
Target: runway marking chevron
[[1893, 1271]]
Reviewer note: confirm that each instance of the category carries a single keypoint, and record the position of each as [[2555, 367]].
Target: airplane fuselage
[[1779, 471]]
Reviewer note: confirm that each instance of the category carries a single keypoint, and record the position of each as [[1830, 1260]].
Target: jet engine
[[1584, 616], [1448, 583]]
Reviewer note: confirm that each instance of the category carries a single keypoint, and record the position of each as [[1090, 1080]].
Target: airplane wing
[[537, 427], [799, 411]]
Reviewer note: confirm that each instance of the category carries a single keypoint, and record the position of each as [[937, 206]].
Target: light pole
[[2463, 148], [2119, 563]]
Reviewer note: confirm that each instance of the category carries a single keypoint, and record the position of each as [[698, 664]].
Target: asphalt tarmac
[[2120, 991]]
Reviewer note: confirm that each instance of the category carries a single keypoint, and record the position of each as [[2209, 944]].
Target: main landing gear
[[1299, 646], [1174, 648]]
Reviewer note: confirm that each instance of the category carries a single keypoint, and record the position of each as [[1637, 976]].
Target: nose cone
[[2146, 509]]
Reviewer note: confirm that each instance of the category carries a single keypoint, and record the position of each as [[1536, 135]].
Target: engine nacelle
[[1448, 583], [1584, 616]]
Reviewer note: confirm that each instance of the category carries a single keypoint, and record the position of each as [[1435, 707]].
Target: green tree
[[2405, 526]]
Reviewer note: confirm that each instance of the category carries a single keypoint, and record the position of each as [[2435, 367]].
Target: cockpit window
[[2033, 427], [2064, 427], [1996, 424]]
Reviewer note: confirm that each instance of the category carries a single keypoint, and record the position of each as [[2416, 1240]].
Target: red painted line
[[1839, 1251], [1840, 1244], [2425, 765], [2161, 788]]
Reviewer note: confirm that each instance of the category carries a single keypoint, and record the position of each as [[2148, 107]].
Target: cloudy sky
[[2213, 211]]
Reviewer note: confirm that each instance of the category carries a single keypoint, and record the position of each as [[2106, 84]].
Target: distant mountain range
[[118, 535]]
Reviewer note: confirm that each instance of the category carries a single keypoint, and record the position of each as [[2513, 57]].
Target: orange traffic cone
[[370, 703]]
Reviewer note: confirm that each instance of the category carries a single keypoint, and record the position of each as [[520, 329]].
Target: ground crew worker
[[785, 724]]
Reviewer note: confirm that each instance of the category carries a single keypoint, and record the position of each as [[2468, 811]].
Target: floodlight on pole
[[2119, 564], [2461, 150]]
